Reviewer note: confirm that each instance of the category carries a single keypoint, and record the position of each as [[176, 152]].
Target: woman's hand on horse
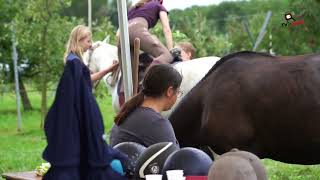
[[114, 66]]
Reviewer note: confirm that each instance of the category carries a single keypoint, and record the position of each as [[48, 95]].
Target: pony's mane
[[230, 56], [97, 44]]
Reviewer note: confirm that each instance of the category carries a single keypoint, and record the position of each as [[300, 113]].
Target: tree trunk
[[44, 68], [24, 96], [43, 100]]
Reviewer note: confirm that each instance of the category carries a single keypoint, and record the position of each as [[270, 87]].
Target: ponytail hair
[[155, 83], [128, 107]]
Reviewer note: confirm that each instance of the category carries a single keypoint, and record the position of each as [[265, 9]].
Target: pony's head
[[100, 57]]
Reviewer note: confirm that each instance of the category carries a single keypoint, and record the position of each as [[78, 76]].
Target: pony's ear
[[107, 39]]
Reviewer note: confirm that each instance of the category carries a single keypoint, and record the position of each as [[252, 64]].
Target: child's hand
[[117, 166]]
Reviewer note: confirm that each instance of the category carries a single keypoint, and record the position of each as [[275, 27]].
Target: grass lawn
[[21, 151]]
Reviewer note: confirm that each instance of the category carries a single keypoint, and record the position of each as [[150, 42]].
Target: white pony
[[103, 55]]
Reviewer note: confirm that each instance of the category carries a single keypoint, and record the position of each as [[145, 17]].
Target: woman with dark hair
[[139, 119], [143, 16]]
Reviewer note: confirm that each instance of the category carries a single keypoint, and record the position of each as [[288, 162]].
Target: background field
[[22, 151]]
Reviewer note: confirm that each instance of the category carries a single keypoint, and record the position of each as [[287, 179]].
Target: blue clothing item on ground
[[143, 126], [74, 130], [149, 11]]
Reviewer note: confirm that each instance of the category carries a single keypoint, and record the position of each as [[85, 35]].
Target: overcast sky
[[182, 4]]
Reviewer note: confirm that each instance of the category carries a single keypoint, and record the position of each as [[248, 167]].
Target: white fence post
[[16, 75], [90, 14], [125, 49]]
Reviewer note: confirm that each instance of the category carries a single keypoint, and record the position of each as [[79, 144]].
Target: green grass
[[21, 151], [277, 170]]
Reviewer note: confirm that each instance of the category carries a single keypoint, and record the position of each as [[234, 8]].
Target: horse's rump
[[265, 104]]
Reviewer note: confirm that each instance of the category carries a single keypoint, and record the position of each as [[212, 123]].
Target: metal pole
[[246, 27], [262, 31], [16, 78], [125, 48], [89, 13]]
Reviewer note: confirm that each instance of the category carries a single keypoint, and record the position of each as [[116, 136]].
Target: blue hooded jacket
[[74, 130]]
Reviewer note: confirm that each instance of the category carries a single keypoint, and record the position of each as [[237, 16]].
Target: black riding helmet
[[133, 151]]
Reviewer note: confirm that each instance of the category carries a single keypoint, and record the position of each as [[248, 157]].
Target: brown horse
[[264, 104]]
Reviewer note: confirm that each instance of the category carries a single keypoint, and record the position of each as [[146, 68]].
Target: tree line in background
[[42, 28]]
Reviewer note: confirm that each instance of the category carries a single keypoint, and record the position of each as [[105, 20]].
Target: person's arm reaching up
[[166, 29]]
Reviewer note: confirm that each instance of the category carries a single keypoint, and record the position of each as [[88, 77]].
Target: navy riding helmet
[[192, 161], [152, 159], [133, 151]]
